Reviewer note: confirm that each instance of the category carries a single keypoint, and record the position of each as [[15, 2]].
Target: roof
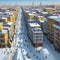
[[31, 14], [31, 20], [56, 18], [9, 23], [34, 12], [52, 17], [40, 16], [27, 11], [4, 18], [41, 21], [10, 13], [56, 26], [3, 31], [48, 8], [44, 12], [34, 25]]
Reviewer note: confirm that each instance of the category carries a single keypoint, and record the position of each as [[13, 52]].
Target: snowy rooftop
[[44, 12], [40, 16], [9, 23], [34, 24], [10, 13], [4, 8], [4, 18], [56, 18], [56, 26], [31, 14], [48, 8], [3, 31], [52, 17], [34, 12], [31, 20], [27, 11], [41, 21]]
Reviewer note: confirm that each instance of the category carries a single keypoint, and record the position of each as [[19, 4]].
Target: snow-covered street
[[26, 51]]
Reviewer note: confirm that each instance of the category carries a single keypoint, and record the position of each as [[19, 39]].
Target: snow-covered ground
[[4, 53]]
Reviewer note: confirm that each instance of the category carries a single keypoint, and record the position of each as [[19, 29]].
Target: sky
[[30, 1]]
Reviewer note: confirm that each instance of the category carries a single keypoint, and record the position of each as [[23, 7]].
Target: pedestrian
[[45, 57]]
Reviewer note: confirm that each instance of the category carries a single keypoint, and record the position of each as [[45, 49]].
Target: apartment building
[[35, 33], [3, 36], [56, 26], [50, 28]]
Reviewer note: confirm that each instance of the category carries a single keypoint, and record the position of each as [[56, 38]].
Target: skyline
[[30, 1]]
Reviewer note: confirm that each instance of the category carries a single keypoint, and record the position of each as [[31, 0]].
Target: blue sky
[[30, 1]]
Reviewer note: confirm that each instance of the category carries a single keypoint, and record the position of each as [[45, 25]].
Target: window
[[2, 41]]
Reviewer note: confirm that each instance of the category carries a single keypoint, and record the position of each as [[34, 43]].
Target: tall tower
[[33, 4], [40, 5]]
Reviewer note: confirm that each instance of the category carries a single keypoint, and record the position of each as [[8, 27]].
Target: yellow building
[[30, 15], [9, 26], [50, 9], [5, 21], [1, 26], [14, 11], [56, 26], [50, 23], [3, 36], [11, 17], [40, 18]]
